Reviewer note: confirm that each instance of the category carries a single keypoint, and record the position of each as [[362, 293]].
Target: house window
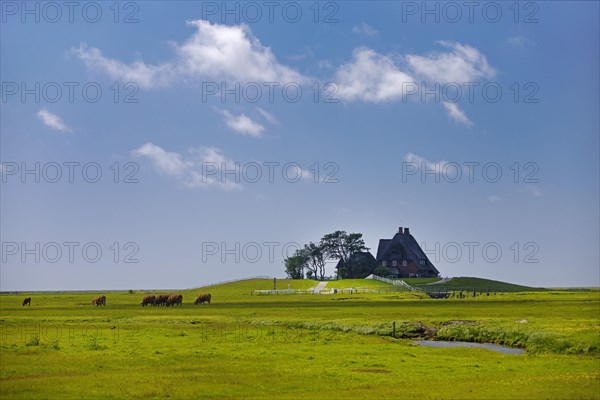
[[404, 263], [394, 263], [384, 264], [422, 262]]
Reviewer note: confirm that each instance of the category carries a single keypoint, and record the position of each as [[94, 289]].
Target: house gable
[[403, 256]]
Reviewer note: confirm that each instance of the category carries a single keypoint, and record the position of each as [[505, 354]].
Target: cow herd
[[166, 300]]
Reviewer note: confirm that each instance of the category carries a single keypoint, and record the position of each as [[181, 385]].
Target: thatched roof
[[404, 247]]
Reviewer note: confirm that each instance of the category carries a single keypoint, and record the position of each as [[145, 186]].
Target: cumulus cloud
[[145, 75], [200, 167], [169, 163], [374, 77], [233, 53], [457, 114], [370, 77], [233, 50], [267, 116], [208, 167], [242, 124], [52, 120], [447, 170], [421, 162], [462, 63], [213, 51], [364, 29]]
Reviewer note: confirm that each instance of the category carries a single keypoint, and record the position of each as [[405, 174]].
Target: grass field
[[299, 346]]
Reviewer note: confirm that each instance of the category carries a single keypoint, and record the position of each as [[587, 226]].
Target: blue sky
[[366, 114]]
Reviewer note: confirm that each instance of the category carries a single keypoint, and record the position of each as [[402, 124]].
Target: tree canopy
[[337, 245]]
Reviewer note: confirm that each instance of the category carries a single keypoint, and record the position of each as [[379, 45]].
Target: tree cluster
[[310, 260]]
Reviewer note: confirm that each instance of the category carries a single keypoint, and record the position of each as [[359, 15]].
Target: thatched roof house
[[404, 258]]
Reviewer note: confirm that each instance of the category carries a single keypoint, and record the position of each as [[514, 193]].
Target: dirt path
[[443, 280]]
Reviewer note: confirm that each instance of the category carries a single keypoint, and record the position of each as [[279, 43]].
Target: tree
[[381, 271], [342, 245], [294, 266], [316, 258], [360, 265]]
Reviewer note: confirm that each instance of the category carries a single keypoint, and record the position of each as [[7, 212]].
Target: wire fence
[[328, 291], [395, 282]]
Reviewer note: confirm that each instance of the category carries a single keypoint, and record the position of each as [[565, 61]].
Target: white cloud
[[213, 51], [242, 124], [373, 77], [201, 167], [295, 172], [233, 53], [462, 63], [306, 53], [208, 167], [232, 50], [494, 199], [143, 74], [267, 116], [52, 120], [520, 41], [164, 161], [324, 64], [448, 171], [533, 190], [364, 29], [457, 114], [370, 77], [421, 162]]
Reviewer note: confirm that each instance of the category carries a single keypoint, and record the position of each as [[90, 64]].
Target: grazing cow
[[27, 301], [99, 301], [148, 300], [202, 298], [161, 299], [174, 300]]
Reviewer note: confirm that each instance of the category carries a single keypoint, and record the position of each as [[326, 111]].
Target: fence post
[[394, 329]]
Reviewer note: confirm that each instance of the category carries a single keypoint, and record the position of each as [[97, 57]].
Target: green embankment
[[482, 284]]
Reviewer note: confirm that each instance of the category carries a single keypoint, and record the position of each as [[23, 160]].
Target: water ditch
[[446, 344]]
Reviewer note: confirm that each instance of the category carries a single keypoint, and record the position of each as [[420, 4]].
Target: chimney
[[400, 230], [406, 231]]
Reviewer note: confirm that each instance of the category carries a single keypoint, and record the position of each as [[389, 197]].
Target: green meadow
[[297, 346]]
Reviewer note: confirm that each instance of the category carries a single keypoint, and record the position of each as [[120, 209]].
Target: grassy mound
[[246, 286], [471, 283]]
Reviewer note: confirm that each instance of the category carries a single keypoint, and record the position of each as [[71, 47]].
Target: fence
[[325, 291], [395, 282]]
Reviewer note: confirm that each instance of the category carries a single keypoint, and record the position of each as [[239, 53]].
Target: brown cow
[[174, 300], [161, 299], [202, 298], [101, 300], [27, 301], [148, 300]]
